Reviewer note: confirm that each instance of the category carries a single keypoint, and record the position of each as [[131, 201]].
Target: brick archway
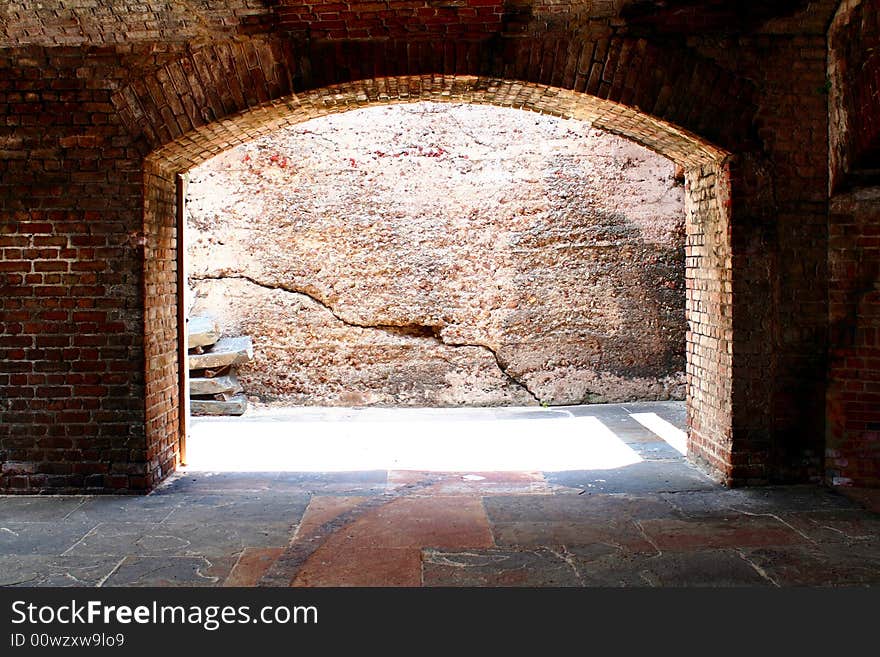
[[91, 96], [708, 205]]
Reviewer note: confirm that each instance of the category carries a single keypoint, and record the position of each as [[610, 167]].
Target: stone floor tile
[[252, 564], [324, 509], [700, 568], [124, 508], [47, 538], [336, 565], [170, 571], [498, 567], [704, 503], [618, 533], [651, 450], [179, 539], [519, 508], [811, 565], [604, 565], [38, 508], [837, 526], [451, 522], [31, 570], [728, 532], [472, 483], [644, 477], [719, 503], [268, 507], [324, 483]]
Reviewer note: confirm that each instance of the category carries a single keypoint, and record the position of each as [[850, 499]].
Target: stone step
[[202, 332], [234, 405], [227, 351], [214, 386]]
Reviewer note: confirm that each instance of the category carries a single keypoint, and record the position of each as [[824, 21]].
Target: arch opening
[[708, 305]]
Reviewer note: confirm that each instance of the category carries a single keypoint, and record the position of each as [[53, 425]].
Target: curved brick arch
[[673, 85], [708, 267], [673, 142]]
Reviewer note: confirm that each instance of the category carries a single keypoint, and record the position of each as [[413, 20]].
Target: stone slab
[[332, 565], [363, 483], [602, 567], [33, 570], [211, 540], [643, 477], [38, 508], [252, 564], [170, 572], [756, 500], [454, 522], [595, 508], [124, 508], [45, 538], [618, 533], [246, 508], [235, 405], [323, 509], [227, 351], [817, 566], [472, 483], [215, 385], [497, 568], [701, 568], [846, 526], [202, 332], [734, 531]]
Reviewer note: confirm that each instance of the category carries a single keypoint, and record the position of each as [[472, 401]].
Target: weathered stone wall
[[441, 255]]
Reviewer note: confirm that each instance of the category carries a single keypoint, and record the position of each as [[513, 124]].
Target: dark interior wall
[[854, 85], [81, 107], [853, 398]]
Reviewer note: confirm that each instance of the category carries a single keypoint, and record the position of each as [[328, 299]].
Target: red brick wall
[[361, 19], [71, 360], [709, 275], [780, 246], [853, 395], [853, 413]]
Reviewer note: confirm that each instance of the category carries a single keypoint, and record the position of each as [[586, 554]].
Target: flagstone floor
[[637, 514]]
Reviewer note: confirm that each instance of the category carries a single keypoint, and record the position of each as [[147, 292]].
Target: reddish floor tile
[[323, 509], [252, 565], [733, 531], [472, 483], [837, 526], [812, 566], [338, 565], [420, 522]]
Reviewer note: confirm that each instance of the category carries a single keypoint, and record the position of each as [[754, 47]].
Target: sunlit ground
[[452, 440]]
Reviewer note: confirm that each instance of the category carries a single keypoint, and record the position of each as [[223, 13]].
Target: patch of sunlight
[[406, 441], [676, 438]]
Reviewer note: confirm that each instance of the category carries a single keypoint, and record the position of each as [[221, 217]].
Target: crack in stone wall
[[412, 330], [553, 247]]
